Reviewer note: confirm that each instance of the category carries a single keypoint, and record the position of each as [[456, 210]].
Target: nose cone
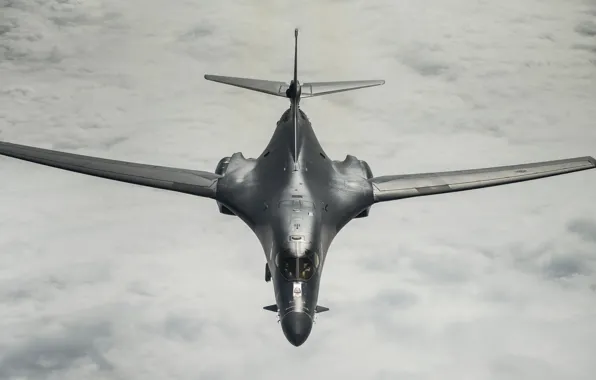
[[296, 326]]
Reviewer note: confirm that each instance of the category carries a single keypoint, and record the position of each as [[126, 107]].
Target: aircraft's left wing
[[387, 188], [180, 180]]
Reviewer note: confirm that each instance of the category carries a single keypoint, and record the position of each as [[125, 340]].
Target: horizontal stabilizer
[[271, 308], [259, 85], [323, 88], [318, 309], [321, 309]]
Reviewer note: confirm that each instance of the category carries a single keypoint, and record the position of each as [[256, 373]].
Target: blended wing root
[[387, 188], [193, 182]]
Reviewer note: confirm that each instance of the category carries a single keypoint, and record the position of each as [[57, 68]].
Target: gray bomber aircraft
[[293, 196]]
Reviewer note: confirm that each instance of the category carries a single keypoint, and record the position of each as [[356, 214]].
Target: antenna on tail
[[296, 55], [293, 92]]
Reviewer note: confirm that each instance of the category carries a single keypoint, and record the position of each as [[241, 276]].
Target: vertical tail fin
[[293, 92], [296, 55]]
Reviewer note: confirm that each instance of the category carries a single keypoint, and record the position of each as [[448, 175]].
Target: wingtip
[[211, 77], [592, 161]]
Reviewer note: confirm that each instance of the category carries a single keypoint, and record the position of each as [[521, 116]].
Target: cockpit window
[[296, 268], [305, 268]]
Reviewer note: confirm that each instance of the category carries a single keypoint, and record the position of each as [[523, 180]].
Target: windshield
[[293, 268]]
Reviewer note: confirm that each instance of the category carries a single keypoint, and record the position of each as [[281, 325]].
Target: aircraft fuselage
[[296, 200]]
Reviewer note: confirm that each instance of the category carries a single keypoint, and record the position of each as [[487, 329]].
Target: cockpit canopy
[[297, 268]]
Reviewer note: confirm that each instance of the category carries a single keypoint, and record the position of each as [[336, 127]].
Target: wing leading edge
[[387, 188], [193, 182]]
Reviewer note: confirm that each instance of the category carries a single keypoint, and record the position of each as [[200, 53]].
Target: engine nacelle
[[368, 172], [221, 168]]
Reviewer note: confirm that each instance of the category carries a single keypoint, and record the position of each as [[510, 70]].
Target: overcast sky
[[104, 280]]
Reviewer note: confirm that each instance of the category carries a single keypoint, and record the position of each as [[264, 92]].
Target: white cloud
[[103, 280]]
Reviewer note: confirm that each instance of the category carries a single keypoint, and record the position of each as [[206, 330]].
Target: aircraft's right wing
[[387, 188], [193, 182]]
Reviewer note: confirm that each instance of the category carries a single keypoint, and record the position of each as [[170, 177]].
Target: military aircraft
[[293, 196]]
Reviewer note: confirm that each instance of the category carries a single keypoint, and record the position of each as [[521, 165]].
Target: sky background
[[105, 280]]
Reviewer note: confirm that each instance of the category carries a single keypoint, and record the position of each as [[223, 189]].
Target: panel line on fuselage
[[295, 122]]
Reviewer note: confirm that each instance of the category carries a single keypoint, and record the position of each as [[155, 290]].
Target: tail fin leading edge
[[296, 55]]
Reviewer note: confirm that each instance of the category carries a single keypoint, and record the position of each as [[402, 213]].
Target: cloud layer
[[103, 280]]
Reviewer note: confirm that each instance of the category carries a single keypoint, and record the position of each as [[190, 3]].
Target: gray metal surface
[[265, 86], [387, 188], [293, 196], [181, 180], [324, 88]]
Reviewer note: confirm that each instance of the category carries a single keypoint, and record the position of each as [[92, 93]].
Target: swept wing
[[193, 182], [392, 187]]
